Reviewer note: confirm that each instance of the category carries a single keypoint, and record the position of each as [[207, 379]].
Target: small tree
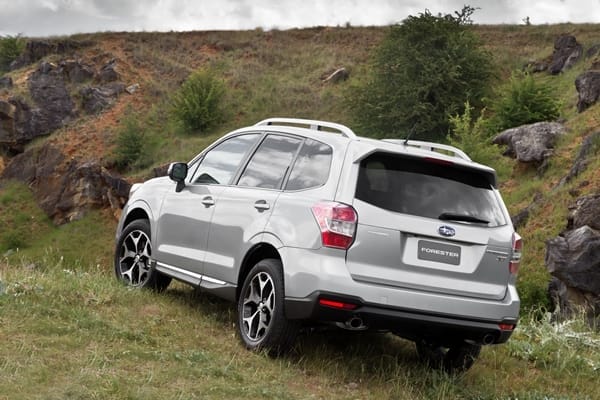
[[522, 101], [197, 104], [129, 144], [423, 72], [10, 48]]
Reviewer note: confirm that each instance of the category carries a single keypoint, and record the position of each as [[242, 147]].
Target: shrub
[[197, 104], [523, 101], [423, 72], [471, 137], [129, 143], [10, 48]]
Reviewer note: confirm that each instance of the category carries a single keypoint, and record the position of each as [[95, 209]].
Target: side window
[[311, 168], [268, 166], [220, 164]]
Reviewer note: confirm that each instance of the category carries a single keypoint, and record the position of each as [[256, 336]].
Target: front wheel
[[455, 359], [262, 324], [132, 258]]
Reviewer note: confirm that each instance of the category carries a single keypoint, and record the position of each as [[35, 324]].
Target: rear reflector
[[337, 304], [506, 327], [337, 222]]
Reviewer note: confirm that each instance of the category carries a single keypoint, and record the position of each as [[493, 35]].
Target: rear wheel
[[262, 324], [132, 258], [455, 359]]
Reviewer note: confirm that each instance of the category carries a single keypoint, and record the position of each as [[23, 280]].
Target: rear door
[[429, 225], [244, 209]]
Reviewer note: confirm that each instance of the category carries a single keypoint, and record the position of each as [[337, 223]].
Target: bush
[[129, 143], [471, 137], [10, 48], [197, 104], [523, 101], [423, 72]]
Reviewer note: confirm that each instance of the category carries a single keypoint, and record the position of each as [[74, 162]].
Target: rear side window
[[418, 187], [270, 162], [311, 168]]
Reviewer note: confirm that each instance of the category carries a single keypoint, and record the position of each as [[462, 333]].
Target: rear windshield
[[419, 187]]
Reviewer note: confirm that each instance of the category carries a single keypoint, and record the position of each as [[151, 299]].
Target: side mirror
[[178, 172]]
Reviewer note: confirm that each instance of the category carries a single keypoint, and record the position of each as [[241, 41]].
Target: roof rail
[[311, 124], [431, 147]]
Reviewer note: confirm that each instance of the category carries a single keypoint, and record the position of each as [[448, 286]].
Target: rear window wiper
[[461, 217]]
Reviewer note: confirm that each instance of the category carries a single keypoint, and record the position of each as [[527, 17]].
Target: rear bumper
[[410, 324]]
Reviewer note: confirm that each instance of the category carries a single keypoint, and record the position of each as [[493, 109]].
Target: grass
[[73, 331]]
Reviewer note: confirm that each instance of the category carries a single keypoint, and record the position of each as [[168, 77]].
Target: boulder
[[585, 212], [566, 53], [593, 51], [588, 88], [574, 259], [76, 71], [18, 125], [96, 99], [581, 161], [6, 82], [108, 73], [531, 143], [67, 189]]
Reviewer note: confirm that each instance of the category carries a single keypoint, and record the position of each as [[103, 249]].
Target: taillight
[[337, 222], [515, 260]]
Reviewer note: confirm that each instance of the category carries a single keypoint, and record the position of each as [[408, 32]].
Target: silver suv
[[302, 222]]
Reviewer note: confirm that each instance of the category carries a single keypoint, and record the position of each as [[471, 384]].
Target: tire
[[262, 324], [455, 359], [133, 254]]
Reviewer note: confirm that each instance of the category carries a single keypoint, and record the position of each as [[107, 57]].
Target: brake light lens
[[337, 222], [506, 327], [515, 260]]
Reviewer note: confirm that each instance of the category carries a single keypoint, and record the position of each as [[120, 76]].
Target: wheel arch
[[259, 251]]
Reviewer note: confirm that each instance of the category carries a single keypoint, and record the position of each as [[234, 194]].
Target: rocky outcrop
[[76, 71], [531, 143], [108, 73], [35, 50], [96, 99], [581, 161], [6, 82], [566, 53], [588, 88], [49, 93], [18, 125], [573, 259], [67, 189], [593, 51]]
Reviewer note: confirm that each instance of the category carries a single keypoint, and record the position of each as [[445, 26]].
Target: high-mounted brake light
[[337, 222], [515, 260], [438, 161]]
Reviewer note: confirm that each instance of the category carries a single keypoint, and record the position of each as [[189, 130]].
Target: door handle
[[208, 201], [261, 205]]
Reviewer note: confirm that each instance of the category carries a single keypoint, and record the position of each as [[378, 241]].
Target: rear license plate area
[[438, 252]]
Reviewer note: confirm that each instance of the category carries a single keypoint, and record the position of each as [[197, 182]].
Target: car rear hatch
[[430, 224]]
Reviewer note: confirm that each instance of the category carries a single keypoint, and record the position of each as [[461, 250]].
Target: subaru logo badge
[[446, 230]]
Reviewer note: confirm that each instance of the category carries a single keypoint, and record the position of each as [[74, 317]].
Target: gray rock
[[36, 49], [585, 212], [132, 88], [66, 189], [588, 88], [76, 71], [574, 258], [566, 53], [96, 99], [339, 75], [531, 143], [593, 51], [581, 161], [6, 82], [18, 125], [108, 73]]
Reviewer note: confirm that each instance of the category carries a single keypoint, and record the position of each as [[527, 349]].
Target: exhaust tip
[[488, 339]]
